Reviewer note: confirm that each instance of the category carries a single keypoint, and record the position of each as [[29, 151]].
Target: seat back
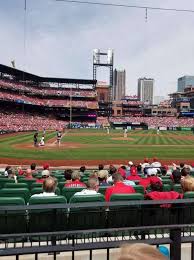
[[36, 185], [19, 192], [166, 187], [5, 180], [12, 221], [102, 189], [177, 188], [28, 181], [15, 185], [69, 192], [139, 189], [39, 190], [87, 217], [125, 216], [47, 220]]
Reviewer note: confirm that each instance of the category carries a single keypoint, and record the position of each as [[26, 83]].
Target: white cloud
[[60, 39]]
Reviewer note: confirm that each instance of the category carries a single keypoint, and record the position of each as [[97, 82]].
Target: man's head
[[130, 163], [82, 168], [185, 172], [46, 166], [187, 184], [146, 160], [112, 169], [155, 159], [93, 184], [67, 174], [28, 173], [33, 166], [152, 172], [75, 176], [45, 173], [156, 185], [49, 185], [117, 178], [100, 167], [182, 164], [163, 171], [176, 176]]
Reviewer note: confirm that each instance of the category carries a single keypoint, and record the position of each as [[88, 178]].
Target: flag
[[13, 63]]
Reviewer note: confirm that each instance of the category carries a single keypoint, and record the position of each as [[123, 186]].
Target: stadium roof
[[21, 75]]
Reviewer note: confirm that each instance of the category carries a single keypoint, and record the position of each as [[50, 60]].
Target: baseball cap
[[130, 163], [45, 173], [152, 171]]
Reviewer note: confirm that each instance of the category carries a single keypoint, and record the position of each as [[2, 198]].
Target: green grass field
[[97, 145]]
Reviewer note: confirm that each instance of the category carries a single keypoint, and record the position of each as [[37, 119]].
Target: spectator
[[92, 188], [82, 170], [187, 184], [182, 165], [146, 163], [139, 169], [118, 188], [163, 170], [185, 172], [102, 177], [130, 163], [94, 175], [152, 175], [140, 251], [156, 163], [75, 181], [6, 170], [100, 167], [134, 176], [176, 176], [49, 187], [157, 192], [33, 168], [67, 175], [45, 174], [20, 171], [46, 166], [29, 174]]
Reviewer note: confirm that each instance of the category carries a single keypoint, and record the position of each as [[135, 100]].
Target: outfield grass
[[103, 147]]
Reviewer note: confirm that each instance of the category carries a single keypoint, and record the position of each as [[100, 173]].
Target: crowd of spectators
[[21, 98], [156, 121], [47, 91], [25, 122]]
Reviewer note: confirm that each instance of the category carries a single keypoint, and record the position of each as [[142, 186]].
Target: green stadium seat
[[39, 190], [16, 185], [87, 218], [12, 221], [188, 195], [28, 181], [36, 185], [5, 180], [139, 189], [167, 177], [122, 197], [102, 189], [167, 181], [192, 173], [125, 216], [177, 188], [19, 192], [61, 185], [47, 220], [167, 187], [69, 192]]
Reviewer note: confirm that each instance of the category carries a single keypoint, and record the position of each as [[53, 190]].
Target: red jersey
[[75, 184], [163, 195], [147, 181], [134, 178], [40, 180], [118, 188]]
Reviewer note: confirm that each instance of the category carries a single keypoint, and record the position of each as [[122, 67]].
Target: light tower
[[109, 64]]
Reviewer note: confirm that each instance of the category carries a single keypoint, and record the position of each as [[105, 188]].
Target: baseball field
[[90, 147]]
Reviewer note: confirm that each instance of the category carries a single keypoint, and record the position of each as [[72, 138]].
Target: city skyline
[[60, 38]]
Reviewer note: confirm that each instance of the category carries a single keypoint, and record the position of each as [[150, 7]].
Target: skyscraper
[[119, 79], [145, 90], [184, 82]]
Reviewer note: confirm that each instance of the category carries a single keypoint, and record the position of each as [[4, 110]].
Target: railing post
[[175, 246], [192, 251]]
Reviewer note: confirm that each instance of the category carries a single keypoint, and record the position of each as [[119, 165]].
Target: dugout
[[128, 125]]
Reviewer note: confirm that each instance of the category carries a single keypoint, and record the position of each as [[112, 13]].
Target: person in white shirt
[[92, 188], [49, 187], [156, 163]]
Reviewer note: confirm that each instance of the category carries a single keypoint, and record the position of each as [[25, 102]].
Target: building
[[102, 90], [145, 90], [184, 82], [119, 81], [158, 99]]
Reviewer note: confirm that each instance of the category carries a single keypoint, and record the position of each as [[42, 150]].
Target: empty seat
[[177, 188], [16, 185], [12, 221], [5, 180], [166, 187], [36, 185], [69, 192], [28, 181], [47, 220], [19, 192], [139, 189], [85, 217]]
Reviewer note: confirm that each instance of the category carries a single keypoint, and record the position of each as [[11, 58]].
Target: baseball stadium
[[87, 171]]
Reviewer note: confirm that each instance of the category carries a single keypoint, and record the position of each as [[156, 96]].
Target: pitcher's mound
[[123, 139]]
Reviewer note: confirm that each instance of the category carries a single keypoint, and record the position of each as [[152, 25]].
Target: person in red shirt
[[45, 174], [29, 174], [152, 175], [134, 176], [118, 188], [75, 181]]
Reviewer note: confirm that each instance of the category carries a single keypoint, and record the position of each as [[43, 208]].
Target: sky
[[60, 37]]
